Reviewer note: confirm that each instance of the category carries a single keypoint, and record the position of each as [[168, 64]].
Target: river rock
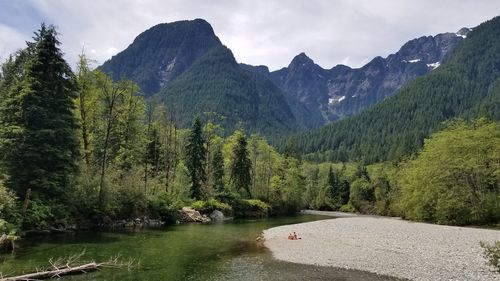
[[217, 215], [188, 214], [205, 219]]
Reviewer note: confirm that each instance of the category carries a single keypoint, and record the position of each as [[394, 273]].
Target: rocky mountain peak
[[162, 53], [301, 60], [463, 32]]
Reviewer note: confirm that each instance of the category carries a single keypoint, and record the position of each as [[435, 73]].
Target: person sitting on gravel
[[295, 236], [290, 237]]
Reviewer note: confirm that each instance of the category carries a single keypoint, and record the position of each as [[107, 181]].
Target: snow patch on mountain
[[411, 61], [335, 100], [433, 65]]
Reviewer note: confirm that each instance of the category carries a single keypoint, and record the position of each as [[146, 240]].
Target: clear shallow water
[[226, 251]]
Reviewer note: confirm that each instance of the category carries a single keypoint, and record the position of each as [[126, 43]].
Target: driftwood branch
[[70, 265]]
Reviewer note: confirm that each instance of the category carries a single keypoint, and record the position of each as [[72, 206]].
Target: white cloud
[[261, 32], [11, 40], [112, 51], [345, 61]]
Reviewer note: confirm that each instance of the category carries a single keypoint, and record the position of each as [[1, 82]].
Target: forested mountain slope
[[186, 66], [216, 83], [466, 85]]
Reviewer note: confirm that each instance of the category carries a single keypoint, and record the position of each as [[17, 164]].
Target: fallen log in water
[[69, 266]]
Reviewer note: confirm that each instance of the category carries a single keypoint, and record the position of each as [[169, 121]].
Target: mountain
[[217, 83], [305, 84], [185, 65], [172, 61], [162, 53], [318, 96], [466, 85]]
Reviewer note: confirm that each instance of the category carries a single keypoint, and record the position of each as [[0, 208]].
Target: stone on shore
[[188, 214], [217, 215]]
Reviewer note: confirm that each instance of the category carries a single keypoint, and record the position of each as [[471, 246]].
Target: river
[[223, 251]]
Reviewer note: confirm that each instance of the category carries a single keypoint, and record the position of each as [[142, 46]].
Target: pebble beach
[[387, 246]]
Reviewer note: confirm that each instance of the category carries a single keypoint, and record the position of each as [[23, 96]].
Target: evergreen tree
[[39, 145], [334, 186], [218, 171], [345, 189], [241, 166], [292, 148], [333, 183], [362, 172], [196, 158]]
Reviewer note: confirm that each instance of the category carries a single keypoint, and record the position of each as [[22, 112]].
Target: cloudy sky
[[258, 32]]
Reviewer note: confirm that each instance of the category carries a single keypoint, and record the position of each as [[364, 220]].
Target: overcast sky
[[266, 32]]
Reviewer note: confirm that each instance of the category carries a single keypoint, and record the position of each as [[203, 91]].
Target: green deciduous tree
[[456, 178], [86, 106]]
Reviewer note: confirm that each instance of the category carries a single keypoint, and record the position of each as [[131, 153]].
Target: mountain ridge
[[467, 85], [342, 91], [315, 96]]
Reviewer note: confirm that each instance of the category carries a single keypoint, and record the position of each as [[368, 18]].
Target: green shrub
[[492, 254], [38, 216], [131, 202], [361, 196], [164, 207], [251, 208], [348, 208], [207, 207], [9, 211], [88, 207], [227, 196]]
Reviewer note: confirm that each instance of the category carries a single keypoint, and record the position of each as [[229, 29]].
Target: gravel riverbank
[[415, 251]]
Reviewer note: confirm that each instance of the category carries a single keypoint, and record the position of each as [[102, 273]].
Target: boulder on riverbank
[[217, 215], [188, 214]]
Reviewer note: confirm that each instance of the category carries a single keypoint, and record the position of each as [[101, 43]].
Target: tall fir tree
[[334, 184], [218, 171], [292, 148], [39, 144], [196, 159], [345, 189], [241, 166]]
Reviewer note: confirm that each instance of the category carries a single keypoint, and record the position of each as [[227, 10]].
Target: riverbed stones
[[409, 250]]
